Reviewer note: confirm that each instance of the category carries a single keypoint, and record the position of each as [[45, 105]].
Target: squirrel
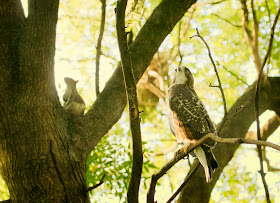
[[74, 103]]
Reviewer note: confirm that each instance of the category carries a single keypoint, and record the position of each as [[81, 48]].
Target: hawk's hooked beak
[[178, 69]]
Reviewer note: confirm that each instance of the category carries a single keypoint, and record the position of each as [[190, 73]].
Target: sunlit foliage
[[220, 24]]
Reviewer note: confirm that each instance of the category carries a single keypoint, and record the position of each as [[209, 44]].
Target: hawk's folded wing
[[189, 111]]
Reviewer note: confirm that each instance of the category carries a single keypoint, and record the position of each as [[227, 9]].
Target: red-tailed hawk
[[189, 120]]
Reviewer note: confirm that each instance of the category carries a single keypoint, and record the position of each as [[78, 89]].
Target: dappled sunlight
[[235, 51]]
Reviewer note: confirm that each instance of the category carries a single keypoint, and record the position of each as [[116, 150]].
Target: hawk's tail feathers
[[207, 160], [213, 163], [200, 154]]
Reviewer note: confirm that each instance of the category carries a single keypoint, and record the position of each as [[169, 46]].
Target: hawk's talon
[[182, 150], [178, 153], [186, 148]]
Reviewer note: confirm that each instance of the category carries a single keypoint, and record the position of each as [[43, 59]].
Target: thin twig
[[255, 25], [98, 47], [187, 149], [179, 43], [185, 182], [233, 74], [252, 39], [131, 92], [229, 22], [97, 185], [268, 11], [216, 71], [257, 105]]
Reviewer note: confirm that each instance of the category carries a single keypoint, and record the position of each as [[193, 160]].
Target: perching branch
[[130, 86], [216, 71], [98, 47], [187, 149], [257, 104], [97, 185]]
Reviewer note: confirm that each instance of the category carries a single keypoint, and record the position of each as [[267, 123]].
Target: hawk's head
[[183, 76]]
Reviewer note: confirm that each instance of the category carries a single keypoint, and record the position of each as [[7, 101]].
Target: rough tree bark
[[131, 92], [43, 149]]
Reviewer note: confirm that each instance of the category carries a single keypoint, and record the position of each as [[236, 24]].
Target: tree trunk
[[43, 149], [37, 151]]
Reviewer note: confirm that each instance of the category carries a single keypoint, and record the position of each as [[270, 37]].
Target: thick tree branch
[[110, 103], [267, 129], [131, 92], [12, 21], [257, 104], [40, 27], [98, 47]]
